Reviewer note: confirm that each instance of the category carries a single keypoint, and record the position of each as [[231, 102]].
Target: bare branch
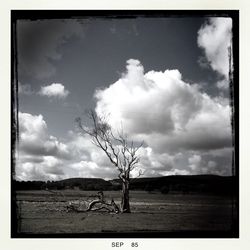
[[140, 173], [120, 152]]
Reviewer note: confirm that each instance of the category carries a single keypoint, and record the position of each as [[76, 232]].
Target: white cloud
[[171, 116], [43, 157], [194, 162], [31, 127], [212, 164], [168, 113], [35, 140], [89, 160], [90, 169], [40, 155], [56, 90], [49, 168], [78, 157], [215, 38]]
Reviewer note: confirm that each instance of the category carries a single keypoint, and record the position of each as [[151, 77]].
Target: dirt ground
[[44, 212]]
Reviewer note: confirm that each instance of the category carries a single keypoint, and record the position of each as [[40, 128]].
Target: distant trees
[[149, 188], [165, 189], [121, 152]]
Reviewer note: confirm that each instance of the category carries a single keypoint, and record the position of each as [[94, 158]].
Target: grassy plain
[[44, 212]]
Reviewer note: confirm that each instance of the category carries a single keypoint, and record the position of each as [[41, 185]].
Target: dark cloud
[[39, 44]]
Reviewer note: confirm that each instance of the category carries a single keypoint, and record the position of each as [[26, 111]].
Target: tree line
[[216, 185]]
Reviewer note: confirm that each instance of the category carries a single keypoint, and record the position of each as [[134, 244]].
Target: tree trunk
[[125, 207]]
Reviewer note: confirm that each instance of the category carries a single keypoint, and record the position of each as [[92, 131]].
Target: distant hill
[[188, 183], [213, 184], [85, 183], [71, 183]]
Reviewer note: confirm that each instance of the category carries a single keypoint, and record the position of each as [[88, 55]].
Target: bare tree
[[121, 152]]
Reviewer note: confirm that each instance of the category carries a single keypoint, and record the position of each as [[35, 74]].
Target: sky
[[163, 80]]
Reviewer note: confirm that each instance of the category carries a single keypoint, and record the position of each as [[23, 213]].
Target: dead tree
[[121, 152], [101, 204], [96, 205]]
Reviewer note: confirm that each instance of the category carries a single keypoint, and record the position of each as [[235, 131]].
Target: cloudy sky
[[164, 80]]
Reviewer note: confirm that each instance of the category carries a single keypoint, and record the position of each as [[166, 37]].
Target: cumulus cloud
[[43, 157], [35, 140], [89, 160], [214, 38], [94, 163], [160, 164], [194, 162], [90, 169], [168, 113], [55, 90], [47, 168], [40, 156], [172, 116]]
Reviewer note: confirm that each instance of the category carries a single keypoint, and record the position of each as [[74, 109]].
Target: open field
[[43, 212]]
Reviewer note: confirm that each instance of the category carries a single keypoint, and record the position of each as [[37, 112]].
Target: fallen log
[[96, 205]]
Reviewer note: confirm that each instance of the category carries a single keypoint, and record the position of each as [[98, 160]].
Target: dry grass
[[42, 212]]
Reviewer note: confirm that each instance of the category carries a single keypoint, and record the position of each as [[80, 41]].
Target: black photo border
[[16, 15]]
